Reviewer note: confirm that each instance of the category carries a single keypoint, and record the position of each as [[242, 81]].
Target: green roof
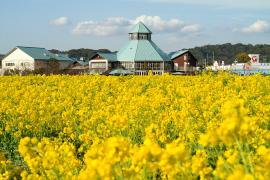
[[61, 57], [173, 55], [108, 56], [138, 50], [83, 63], [140, 28], [142, 50], [119, 71], [43, 54]]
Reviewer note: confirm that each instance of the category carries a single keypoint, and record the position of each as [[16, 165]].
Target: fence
[[185, 69]]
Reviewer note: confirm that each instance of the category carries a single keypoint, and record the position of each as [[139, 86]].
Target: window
[[149, 66], [133, 36], [143, 36], [10, 64], [25, 64], [127, 65], [186, 57], [176, 67], [99, 65]]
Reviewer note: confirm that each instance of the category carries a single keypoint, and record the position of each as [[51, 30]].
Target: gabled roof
[[43, 54], [61, 57], [173, 55], [140, 28], [82, 63], [142, 50], [108, 56]]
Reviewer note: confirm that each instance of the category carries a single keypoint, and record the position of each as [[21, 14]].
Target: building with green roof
[[140, 28], [139, 55], [34, 58], [183, 61]]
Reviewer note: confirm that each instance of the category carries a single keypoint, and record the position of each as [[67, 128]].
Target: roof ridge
[[30, 47], [157, 48], [140, 27], [178, 53], [159, 51], [136, 49], [106, 52]]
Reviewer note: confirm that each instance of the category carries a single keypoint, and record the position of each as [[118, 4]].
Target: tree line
[[205, 54], [229, 52]]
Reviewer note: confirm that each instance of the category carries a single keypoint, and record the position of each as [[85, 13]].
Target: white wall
[[18, 57], [253, 66], [98, 61]]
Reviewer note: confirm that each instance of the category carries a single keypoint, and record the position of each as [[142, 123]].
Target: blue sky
[[176, 24]]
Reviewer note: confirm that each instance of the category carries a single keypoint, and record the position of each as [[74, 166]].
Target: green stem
[[242, 154], [249, 159]]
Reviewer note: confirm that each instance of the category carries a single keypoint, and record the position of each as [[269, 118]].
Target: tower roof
[[140, 28], [142, 50]]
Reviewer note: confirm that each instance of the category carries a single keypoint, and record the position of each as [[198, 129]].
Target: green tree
[[242, 57]]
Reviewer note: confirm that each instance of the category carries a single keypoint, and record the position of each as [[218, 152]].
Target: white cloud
[[194, 28], [159, 25], [259, 26], [61, 21], [117, 25], [108, 27]]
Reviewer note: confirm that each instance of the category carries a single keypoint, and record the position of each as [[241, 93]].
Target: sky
[[99, 24]]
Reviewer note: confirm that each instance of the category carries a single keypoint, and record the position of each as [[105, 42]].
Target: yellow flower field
[[211, 126]]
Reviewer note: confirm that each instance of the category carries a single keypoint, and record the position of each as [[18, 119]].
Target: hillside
[[223, 52], [78, 53], [227, 52]]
